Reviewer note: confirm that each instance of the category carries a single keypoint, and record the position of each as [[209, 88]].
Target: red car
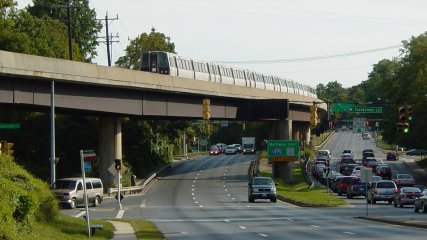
[[214, 151], [344, 184], [391, 156]]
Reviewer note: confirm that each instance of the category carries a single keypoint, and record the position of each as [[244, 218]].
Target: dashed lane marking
[[263, 235], [80, 214], [120, 213], [351, 233]]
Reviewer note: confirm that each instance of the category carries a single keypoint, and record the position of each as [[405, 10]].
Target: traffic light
[[405, 115], [118, 164], [409, 112], [406, 127], [313, 116], [399, 127], [206, 109], [402, 113]]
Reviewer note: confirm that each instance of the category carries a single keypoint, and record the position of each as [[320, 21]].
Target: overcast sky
[[293, 31]]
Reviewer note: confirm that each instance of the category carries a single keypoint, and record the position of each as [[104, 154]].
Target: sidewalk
[[124, 231]]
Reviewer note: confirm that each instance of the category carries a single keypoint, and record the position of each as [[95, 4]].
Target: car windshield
[[214, 148], [385, 185], [411, 190], [64, 184], [404, 176], [262, 181]]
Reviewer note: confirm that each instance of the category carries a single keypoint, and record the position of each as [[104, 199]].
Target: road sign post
[[365, 177], [84, 191]]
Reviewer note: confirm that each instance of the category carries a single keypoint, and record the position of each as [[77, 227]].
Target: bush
[[24, 199]]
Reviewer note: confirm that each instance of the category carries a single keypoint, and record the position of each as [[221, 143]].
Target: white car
[[230, 149]]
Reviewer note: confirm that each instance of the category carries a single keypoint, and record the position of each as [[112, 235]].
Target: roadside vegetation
[[296, 191], [28, 210]]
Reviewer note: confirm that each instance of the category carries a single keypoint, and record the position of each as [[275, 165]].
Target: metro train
[[175, 65]]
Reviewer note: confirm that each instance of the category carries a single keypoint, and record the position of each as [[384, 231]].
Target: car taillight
[[405, 196], [396, 191], [375, 191]]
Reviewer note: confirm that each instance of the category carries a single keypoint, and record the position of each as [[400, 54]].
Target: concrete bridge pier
[[110, 147], [281, 130]]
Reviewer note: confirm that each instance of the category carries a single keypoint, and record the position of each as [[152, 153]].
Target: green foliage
[[24, 200], [145, 149], [83, 23], [143, 43]]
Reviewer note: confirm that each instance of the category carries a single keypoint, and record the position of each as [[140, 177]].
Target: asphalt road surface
[[206, 198]]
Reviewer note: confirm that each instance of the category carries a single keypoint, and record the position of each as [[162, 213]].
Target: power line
[[316, 58]]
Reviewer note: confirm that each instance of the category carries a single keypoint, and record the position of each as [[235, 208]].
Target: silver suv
[[69, 191], [383, 190], [262, 188]]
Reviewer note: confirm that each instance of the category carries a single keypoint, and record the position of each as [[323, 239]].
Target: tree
[[83, 21], [144, 43]]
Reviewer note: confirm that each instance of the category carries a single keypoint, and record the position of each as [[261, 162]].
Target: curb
[[394, 222]]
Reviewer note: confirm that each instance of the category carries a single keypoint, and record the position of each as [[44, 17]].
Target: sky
[[296, 39]]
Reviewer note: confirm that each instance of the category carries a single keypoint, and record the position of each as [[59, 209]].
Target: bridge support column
[[281, 130], [110, 147]]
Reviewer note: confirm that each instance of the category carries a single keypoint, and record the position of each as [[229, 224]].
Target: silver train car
[[175, 65]]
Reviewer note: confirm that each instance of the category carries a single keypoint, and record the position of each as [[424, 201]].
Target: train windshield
[[144, 62]]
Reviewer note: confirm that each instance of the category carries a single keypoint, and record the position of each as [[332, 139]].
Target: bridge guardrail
[[139, 188]]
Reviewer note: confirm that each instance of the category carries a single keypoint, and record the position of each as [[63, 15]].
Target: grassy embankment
[[28, 210]]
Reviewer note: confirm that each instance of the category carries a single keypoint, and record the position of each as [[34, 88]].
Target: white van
[[69, 191], [366, 136]]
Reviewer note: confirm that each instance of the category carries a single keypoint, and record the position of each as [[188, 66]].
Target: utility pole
[[70, 45], [109, 38]]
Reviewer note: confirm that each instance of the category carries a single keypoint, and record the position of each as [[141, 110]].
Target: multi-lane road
[[206, 198]]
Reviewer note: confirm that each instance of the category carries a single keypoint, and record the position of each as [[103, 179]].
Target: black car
[[356, 188], [383, 171], [262, 188], [415, 152], [391, 156]]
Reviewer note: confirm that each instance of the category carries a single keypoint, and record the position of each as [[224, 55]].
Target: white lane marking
[[226, 190], [224, 186], [194, 198], [225, 174], [192, 185], [242, 227], [201, 206], [80, 214], [195, 178], [263, 235], [314, 226], [194, 181], [192, 194], [290, 220], [228, 194], [349, 233], [120, 213], [227, 221], [196, 202], [217, 220], [233, 198], [192, 189], [197, 174], [142, 204]]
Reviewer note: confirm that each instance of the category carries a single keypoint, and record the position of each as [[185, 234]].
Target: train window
[[144, 62], [172, 62], [163, 59]]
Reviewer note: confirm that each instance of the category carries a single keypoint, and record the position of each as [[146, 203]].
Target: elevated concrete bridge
[[111, 93]]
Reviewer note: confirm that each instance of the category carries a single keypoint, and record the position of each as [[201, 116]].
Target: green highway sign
[[283, 150], [365, 109], [9, 125], [341, 107]]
